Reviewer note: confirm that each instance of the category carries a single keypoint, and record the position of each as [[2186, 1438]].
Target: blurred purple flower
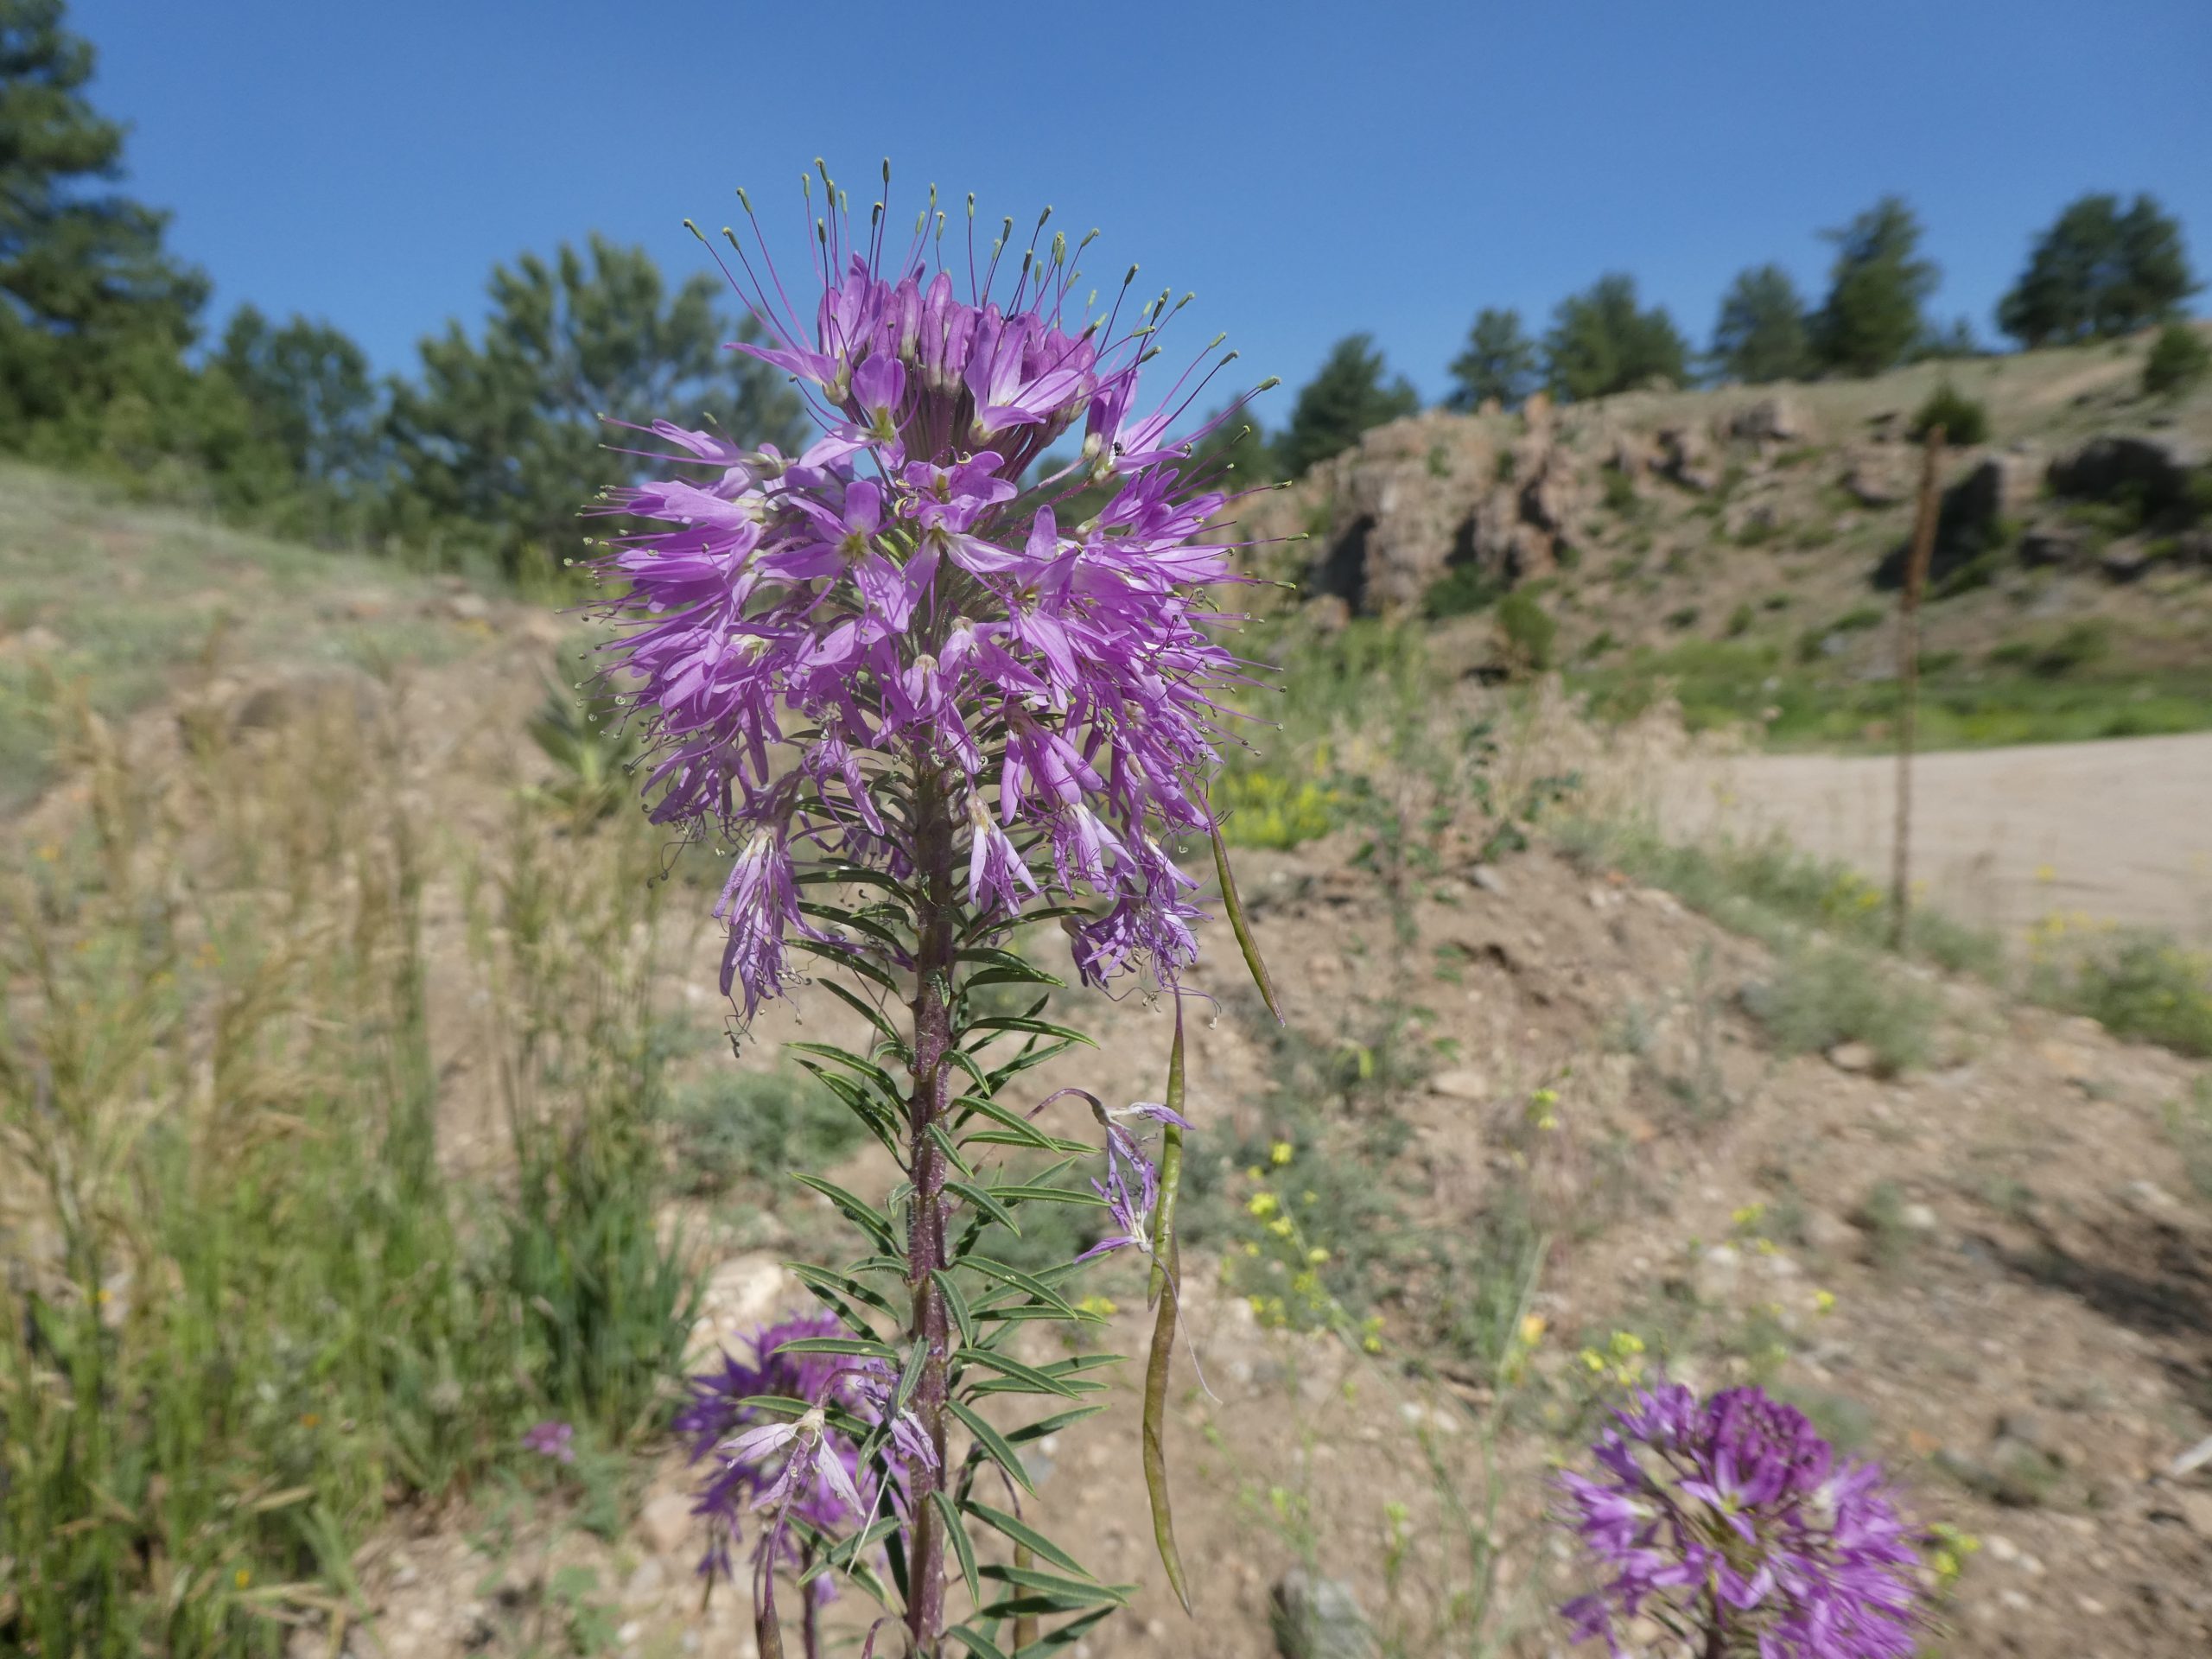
[[551, 1439], [1733, 1518], [910, 594]]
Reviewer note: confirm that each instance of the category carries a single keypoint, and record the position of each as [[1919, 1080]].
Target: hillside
[[1743, 545], [1550, 1127]]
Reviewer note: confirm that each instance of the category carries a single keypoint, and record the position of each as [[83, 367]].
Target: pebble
[[1853, 1057], [1460, 1083]]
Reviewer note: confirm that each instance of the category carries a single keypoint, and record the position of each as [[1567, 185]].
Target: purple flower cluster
[[551, 1439], [780, 1468], [1732, 1518], [908, 606]]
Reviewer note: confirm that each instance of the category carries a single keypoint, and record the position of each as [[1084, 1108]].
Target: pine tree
[[91, 305], [1499, 361], [1600, 342], [2098, 271], [1760, 334], [1343, 400], [1877, 288], [505, 438]]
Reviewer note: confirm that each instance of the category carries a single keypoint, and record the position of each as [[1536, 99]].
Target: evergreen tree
[[1760, 334], [505, 438], [91, 305], [1600, 342], [2098, 271], [314, 414], [1500, 362], [1343, 400], [1873, 317]]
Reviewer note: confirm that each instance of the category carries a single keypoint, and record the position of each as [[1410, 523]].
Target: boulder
[[1314, 1618], [340, 694], [1880, 476], [2158, 467], [1776, 419], [1687, 457], [2194, 547], [2127, 560]]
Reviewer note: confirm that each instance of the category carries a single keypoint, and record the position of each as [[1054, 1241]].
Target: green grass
[[2034, 698], [1772, 892], [1822, 994], [249, 1307], [128, 598], [2136, 983]]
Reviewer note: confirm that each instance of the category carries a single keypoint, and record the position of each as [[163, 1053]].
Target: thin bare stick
[[1916, 576]]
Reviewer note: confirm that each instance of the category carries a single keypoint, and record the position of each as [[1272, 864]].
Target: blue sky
[[1309, 170]]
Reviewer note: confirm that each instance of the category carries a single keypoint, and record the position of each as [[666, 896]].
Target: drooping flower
[[915, 597], [766, 1464], [752, 1458], [1732, 1517]]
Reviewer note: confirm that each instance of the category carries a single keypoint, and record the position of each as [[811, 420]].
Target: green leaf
[[981, 1198], [1032, 1192], [832, 1289], [1053, 1640], [961, 1545], [943, 1142], [963, 1315], [862, 1215], [868, 1069], [977, 1644], [996, 1446], [1052, 1425], [1028, 1378], [868, 1012], [1167, 1265], [1025, 1133], [911, 1377], [859, 1347], [1029, 1058], [847, 960], [992, 1268], [1022, 1532], [1079, 1592], [1001, 1024], [1250, 947]]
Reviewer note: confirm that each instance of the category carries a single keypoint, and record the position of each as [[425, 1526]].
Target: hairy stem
[[934, 958]]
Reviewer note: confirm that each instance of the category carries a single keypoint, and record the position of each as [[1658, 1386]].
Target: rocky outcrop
[[1686, 456], [1777, 418]]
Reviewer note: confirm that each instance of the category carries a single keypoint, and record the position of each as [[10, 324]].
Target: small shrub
[[1620, 494], [1858, 619], [1739, 621], [1462, 590], [1963, 420], [733, 1127], [1529, 629], [2176, 361], [1824, 994], [1685, 618], [2142, 985]]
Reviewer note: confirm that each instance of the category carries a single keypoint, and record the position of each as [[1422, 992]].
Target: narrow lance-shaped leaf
[[1241, 928], [1166, 1275]]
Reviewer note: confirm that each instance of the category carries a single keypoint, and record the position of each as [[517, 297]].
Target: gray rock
[[2126, 561], [1686, 457], [1318, 1618], [1777, 418], [2054, 544]]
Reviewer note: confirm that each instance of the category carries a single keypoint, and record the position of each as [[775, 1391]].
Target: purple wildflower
[[752, 1457], [907, 600], [1131, 1190], [1733, 1518], [762, 1463], [550, 1439]]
